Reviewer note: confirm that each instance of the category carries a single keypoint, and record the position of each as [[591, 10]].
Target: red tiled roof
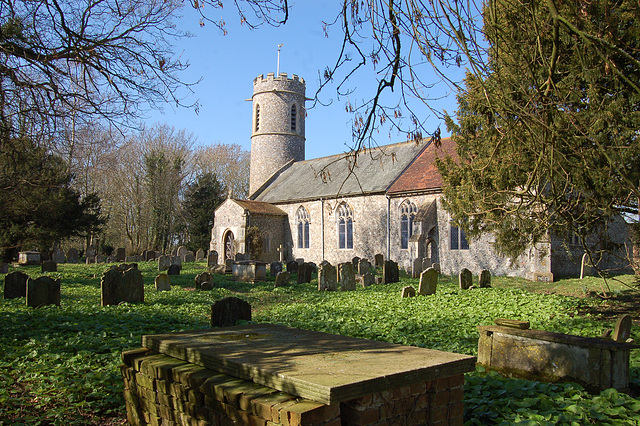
[[422, 174], [260, 207]]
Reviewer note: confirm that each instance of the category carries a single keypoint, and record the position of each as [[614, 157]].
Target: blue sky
[[228, 64]]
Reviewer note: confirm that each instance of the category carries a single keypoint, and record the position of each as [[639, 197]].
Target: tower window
[[257, 117], [294, 116], [302, 217]]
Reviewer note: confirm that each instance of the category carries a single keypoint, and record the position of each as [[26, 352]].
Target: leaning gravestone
[[304, 273], [212, 259], [121, 284], [173, 270], [163, 283], [15, 285], [292, 267], [346, 277], [327, 277], [485, 279], [428, 282], [379, 260], [204, 277], [282, 279], [43, 291], [585, 267], [465, 279], [4, 268], [390, 272], [121, 254], [275, 268], [199, 254], [622, 330], [49, 266], [408, 291], [228, 311]]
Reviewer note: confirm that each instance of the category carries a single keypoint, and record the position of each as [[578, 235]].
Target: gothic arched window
[[408, 212], [257, 117], [294, 117], [344, 217], [266, 242], [302, 218]]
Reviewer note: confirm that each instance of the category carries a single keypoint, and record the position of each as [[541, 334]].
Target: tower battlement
[[278, 83]]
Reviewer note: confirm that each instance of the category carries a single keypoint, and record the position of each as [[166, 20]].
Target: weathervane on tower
[[278, 67]]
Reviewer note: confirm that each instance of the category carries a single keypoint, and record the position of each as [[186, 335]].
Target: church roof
[[258, 207], [375, 171], [422, 174]]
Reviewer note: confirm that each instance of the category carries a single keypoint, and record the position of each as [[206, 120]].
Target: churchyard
[[61, 364]]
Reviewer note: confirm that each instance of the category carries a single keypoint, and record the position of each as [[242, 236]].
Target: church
[[333, 208]]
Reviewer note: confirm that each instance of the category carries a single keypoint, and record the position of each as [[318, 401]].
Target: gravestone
[[91, 252], [181, 251], [206, 286], [100, 258], [212, 259], [163, 263], [226, 312], [408, 291], [365, 280], [622, 331], [292, 267], [43, 291], [346, 277], [121, 254], [304, 273], [327, 277], [282, 279], [49, 266], [485, 279], [275, 268], [436, 266], [173, 270], [4, 268], [110, 259], [189, 257], [58, 255], [585, 267], [15, 285], [149, 255], [199, 255], [241, 256], [378, 280], [204, 277], [73, 256], [228, 266], [428, 282], [465, 278], [163, 283], [416, 268], [218, 269], [390, 272], [355, 261], [121, 283], [364, 267], [379, 259], [426, 263], [90, 260]]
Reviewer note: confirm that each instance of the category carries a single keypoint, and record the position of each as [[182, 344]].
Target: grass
[[59, 365]]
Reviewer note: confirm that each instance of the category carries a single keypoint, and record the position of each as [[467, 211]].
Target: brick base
[[160, 390]]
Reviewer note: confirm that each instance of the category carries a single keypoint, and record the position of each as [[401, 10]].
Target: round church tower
[[277, 131]]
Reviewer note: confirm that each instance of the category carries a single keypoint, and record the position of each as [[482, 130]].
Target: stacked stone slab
[[327, 277], [15, 285], [122, 283], [43, 291]]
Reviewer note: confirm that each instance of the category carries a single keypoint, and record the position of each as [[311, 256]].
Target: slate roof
[[422, 174], [375, 172], [258, 207]]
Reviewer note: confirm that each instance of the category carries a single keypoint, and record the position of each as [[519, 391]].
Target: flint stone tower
[[277, 131]]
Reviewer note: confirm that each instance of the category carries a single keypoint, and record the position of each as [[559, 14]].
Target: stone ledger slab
[[323, 367]]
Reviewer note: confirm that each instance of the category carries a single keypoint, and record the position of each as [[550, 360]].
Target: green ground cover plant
[[59, 365]]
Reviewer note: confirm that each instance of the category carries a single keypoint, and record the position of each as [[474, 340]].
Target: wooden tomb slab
[[323, 367]]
